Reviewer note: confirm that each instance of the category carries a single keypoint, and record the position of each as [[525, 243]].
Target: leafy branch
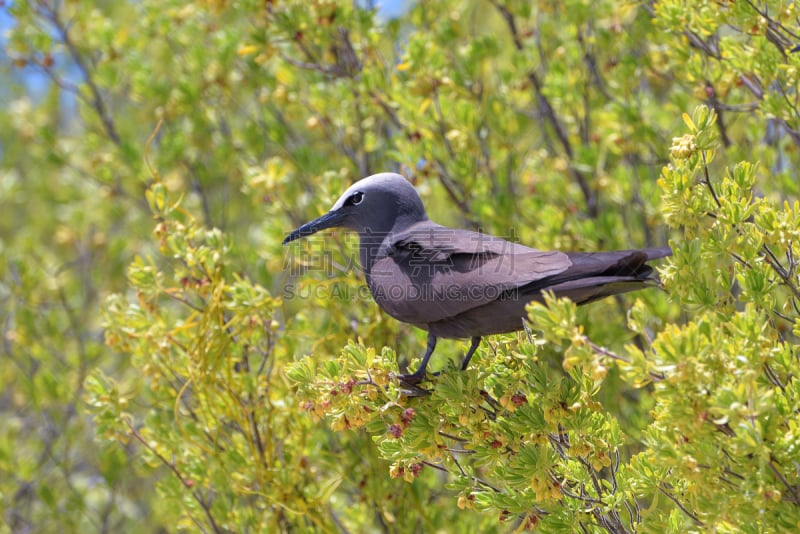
[[50, 13], [547, 110]]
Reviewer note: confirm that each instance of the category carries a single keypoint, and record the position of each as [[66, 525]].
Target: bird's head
[[375, 205]]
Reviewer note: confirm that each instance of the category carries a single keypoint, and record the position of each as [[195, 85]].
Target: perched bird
[[458, 283]]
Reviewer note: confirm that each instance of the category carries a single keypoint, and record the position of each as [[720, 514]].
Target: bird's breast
[[403, 295]]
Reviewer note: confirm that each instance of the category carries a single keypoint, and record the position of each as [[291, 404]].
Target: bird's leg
[[419, 375], [472, 348]]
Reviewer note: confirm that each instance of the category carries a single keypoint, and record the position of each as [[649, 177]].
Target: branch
[[715, 105], [765, 252], [679, 505], [602, 351], [550, 115], [783, 480], [450, 186], [463, 473], [710, 47], [188, 484], [51, 15]]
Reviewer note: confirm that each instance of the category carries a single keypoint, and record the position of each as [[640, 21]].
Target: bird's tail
[[596, 275]]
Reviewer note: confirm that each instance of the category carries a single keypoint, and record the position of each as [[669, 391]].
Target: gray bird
[[461, 284]]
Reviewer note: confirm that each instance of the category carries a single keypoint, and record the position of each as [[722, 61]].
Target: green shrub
[[169, 365]]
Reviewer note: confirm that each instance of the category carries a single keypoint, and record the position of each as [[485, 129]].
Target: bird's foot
[[409, 385], [409, 390], [412, 379], [417, 377]]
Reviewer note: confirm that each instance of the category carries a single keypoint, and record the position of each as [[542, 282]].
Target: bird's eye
[[356, 198]]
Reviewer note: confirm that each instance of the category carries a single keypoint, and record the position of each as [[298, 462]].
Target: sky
[[35, 81]]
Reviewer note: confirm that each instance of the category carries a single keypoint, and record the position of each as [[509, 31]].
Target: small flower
[[407, 416], [519, 399], [683, 147], [416, 469]]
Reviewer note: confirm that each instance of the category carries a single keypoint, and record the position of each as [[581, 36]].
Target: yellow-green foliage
[[168, 364]]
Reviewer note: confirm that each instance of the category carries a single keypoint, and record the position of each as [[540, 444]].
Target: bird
[[462, 284]]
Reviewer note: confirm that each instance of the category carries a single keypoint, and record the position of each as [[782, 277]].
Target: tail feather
[[617, 263], [595, 275], [586, 290]]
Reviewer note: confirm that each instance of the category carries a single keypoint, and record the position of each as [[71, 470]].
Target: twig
[[51, 15], [186, 483], [679, 505], [550, 115], [450, 187], [450, 436], [715, 105], [765, 252], [387, 110], [592, 475], [792, 489], [440, 122], [570, 494], [710, 47], [184, 301], [708, 179], [463, 473], [602, 351]]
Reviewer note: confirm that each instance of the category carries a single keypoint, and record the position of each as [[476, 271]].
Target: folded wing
[[428, 272]]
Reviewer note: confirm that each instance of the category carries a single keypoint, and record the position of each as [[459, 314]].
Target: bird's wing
[[631, 264], [428, 272]]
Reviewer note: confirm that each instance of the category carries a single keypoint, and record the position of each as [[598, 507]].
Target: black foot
[[413, 378], [419, 375], [472, 348], [409, 385]]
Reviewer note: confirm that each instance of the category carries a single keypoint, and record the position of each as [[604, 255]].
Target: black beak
[[329, 220]]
